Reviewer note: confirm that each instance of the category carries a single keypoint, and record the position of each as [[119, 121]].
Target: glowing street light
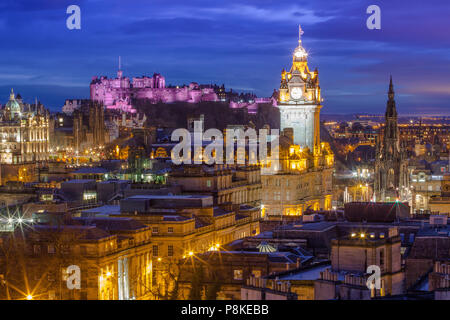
[[29, 297]]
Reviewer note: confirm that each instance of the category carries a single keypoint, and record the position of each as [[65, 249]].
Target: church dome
[[300, 54], [266, 248], [12, 105]]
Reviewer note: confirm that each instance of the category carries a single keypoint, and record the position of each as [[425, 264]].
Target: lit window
[[256, 273], [37, 249], [170, 230], [238, 274], [382, 257], [65, 249], [51, 248], [89, 195]]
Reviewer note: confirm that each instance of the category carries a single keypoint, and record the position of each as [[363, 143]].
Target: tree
[[198, 278], [213, 289], [167, 277]]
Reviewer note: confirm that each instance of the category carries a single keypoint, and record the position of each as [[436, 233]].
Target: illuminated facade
[[186, 223], [239, 184], [303, 178], [300, 100], [114, 257], [117, 94], [302, 182], [425, 184], [441, 203], [24, 132]]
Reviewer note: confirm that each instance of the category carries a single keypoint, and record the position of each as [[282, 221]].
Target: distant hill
[[217, 114]]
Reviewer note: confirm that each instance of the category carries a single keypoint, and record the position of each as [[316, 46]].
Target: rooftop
[[307, 274], [79, 181], [89, 170], [169, 197], [112, 224], [103, 210]]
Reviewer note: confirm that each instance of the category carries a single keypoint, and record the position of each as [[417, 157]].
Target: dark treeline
[[217, 114]]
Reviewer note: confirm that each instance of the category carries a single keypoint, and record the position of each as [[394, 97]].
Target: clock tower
[[300, 100]]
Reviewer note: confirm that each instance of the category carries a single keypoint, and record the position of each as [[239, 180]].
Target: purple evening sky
[[243, 44]]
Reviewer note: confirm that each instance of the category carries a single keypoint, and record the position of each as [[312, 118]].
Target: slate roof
[[91, 170], [112, 224]]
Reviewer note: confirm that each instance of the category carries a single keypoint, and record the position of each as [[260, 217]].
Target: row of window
[[50, 249], [428, 188], [170, 250], [238, 274], [278, 183], [156, 230]]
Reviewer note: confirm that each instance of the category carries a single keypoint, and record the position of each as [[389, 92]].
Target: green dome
[[12, 105], [265, 247]]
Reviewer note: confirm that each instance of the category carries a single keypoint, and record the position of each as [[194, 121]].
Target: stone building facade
[[24, 132], [24, 139], [113, 255], [188, 223], [303, 181], [441, 203], [300, 101], [302, 178], [237, 184], [89, 127], [117, 94], [350, 258]]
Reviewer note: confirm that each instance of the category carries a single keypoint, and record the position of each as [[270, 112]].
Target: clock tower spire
[[300, 100]]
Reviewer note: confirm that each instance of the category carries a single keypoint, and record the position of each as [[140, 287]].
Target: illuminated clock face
[[296, 93]]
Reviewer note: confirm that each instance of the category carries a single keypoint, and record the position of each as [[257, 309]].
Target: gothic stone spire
[[391, 110]]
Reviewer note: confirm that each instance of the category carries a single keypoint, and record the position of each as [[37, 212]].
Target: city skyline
[[240, 44], [238, 152]]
